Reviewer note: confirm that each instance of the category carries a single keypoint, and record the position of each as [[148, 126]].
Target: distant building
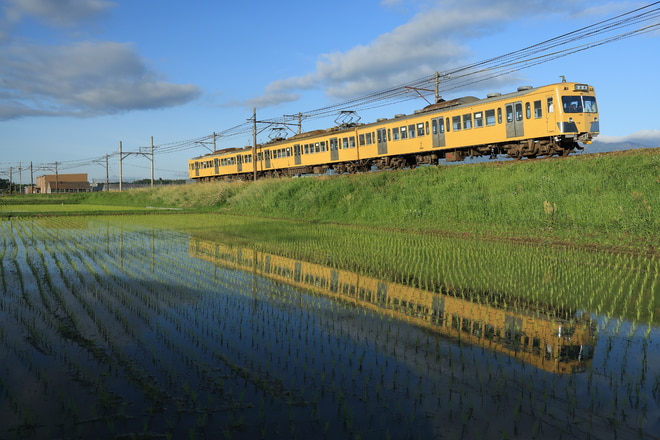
[[62, 183]]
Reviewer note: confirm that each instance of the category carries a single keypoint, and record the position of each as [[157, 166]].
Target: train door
[[239, 163], [267, 158], [196, 169], [438, 132], [296, 154], [382, 140], [216, 166], [550, 118], [514, 120], [334, 149]]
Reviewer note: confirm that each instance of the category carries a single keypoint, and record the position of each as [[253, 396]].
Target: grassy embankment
[[610, 199]]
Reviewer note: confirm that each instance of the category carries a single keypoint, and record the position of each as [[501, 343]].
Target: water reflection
[[549, 338]]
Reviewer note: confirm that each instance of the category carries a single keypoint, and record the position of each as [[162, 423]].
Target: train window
[[456, 123], [478, 120], [434, 126], [239, 159], [572, 104], [509, 113], [590, 104], [467, 121], [528, 110], [519, 114], [441, 125], [379, 134], [324, 146], [344, 143], [288, 152], [411, 131], [427, 127], [490, 117], [361, 139], [317, 147], [352, 141], [538, 112], [395, 133], [389, 134], [404, 133], [334, 145], [551, 105], [420, 129], [369, 139], [499, 115], [306, 148]]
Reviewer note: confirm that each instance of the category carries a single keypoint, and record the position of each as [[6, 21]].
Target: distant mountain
[[604, 147]]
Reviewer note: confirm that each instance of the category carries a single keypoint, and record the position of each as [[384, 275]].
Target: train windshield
[[579, 104]]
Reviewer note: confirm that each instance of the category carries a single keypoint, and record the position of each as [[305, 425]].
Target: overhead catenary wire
[[453, 79]]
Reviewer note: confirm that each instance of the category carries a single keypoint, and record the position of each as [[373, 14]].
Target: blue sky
[[78, 76]]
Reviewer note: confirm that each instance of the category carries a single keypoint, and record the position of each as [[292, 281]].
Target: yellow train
[[533, 121], [553, 340]]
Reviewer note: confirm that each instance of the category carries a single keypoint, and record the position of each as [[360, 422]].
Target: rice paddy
[[206, 326]]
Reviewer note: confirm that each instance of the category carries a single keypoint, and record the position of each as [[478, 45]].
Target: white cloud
[[649, 138], [436, 38], [81, 79], [58, 12]]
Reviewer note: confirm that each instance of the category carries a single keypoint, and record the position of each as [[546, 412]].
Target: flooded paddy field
[[117, 329]]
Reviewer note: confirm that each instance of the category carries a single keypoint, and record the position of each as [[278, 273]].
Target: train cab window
[[395, 133], [467, 121], [528, 110], [538, 111], [456, 123], [572, 104], [411, 131], [551, 105], [478, 120], [404, 133], [590, 104], [490, 117], [499, 115], [420, 129]]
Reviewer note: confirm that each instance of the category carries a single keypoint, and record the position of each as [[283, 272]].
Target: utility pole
[[152, 161], [57, 179], [107, 177], [11, 178], [31, 179], [254, 144], [121, 158]]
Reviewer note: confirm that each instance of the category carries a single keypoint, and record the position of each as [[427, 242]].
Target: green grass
[[606, 199]]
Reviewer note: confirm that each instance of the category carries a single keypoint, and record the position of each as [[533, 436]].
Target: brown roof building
[[62, 183]]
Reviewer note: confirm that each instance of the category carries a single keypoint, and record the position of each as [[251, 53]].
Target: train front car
[[577, 119]]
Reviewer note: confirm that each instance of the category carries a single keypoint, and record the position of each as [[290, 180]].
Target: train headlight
[[570, 120]]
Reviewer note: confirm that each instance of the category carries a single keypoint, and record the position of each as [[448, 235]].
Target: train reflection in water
[[548, 338]]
